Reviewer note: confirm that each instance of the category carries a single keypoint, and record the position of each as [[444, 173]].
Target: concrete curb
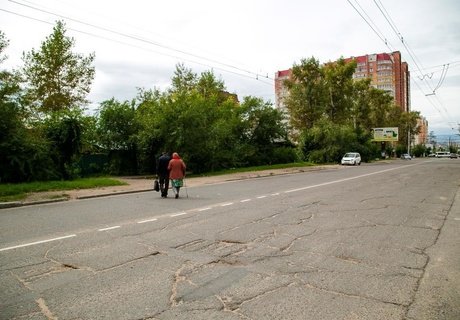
[[112, 194], [13, 204]]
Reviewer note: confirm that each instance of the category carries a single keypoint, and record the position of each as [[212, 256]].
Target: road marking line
[[37, 242], [109, 228], [204, 209], [178, 214], [261, 197], [148, 220], [226, 204], [276, 194], [347, 179], [245, 200]]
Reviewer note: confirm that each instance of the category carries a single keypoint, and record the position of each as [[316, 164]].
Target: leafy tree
[[117, 129], [57, 79], [117, 126], [408, 126], [308, 94], [419, 150], [4, 42], [64, 131], [23, 150], [338, 79], [264, 127]]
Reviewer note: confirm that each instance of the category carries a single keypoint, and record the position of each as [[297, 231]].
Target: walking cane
[[185, 186]]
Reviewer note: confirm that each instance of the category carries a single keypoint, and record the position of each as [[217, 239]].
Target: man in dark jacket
[[163, 173]]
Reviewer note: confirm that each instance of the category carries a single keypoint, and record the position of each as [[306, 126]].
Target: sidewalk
[[143, 184]]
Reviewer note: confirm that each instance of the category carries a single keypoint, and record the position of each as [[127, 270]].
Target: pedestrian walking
[[163, 173], [176, 173]]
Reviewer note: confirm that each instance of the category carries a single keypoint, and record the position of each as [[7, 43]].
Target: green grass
[[18, 191]]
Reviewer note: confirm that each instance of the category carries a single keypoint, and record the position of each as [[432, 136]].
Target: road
[[376, 241]]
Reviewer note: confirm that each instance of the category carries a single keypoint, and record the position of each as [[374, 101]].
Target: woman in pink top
[[176, 169]]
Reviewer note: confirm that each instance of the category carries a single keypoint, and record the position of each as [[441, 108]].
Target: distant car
[[406, 156], [431, 155], [442, 154], [453, 156], [353, 158]]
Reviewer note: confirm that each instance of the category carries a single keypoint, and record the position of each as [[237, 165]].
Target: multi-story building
[[386, 70], [280, 89], [422, 136]]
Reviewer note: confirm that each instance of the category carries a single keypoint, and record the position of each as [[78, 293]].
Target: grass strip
[[17, 191]]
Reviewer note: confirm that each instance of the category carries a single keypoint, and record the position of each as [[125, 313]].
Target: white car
[[353, 158]]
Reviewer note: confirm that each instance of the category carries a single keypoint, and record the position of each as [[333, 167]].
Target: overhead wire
[[370, 25], [138, 47], [442, 77], [387, 43], [255, 75], [393, 26]]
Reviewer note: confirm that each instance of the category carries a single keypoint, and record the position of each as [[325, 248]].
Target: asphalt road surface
[[376, 241]]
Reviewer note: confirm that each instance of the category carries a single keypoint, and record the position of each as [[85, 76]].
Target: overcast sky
[[138, 43]]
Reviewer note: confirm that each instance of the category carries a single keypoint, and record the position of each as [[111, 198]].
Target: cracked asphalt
[[370, 242]]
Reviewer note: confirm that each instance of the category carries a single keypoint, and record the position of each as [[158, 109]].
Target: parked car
[[453, 156], [353, 158], [406, 156]]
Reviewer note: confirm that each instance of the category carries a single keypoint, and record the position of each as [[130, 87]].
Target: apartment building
[[280, 89], [422, 136], [387, 71]]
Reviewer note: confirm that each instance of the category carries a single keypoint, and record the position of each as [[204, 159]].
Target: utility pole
[[408, 141]]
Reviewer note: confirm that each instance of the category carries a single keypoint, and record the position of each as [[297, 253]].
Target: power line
[[148, 41], [411, 54], [443, 76], [375, 26], [370, 25], [142, 48]]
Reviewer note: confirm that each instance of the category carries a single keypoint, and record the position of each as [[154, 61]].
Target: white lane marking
[[226, 204], [275, 194], [109, 228], [204, 209], [148, 220], [38, 242], [348, 179], [245, 200], [261, 197], [178, 214]]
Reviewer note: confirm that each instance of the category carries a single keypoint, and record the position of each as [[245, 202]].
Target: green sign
[[385, 134]]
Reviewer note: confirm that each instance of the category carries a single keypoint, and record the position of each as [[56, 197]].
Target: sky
[[139, 43]]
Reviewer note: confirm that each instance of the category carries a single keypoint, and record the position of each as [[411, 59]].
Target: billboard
[[385, 134]]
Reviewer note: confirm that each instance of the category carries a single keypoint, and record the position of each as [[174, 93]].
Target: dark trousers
[[164, 185]]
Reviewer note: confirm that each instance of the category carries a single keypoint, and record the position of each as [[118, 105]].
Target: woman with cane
[[176, 169]]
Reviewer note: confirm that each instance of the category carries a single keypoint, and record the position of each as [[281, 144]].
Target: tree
[[264, 129], [338, 78], [23, 150], [408, 127], [57, 79], [307, 99], [117, 129], [64, 130], [4, 42]]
